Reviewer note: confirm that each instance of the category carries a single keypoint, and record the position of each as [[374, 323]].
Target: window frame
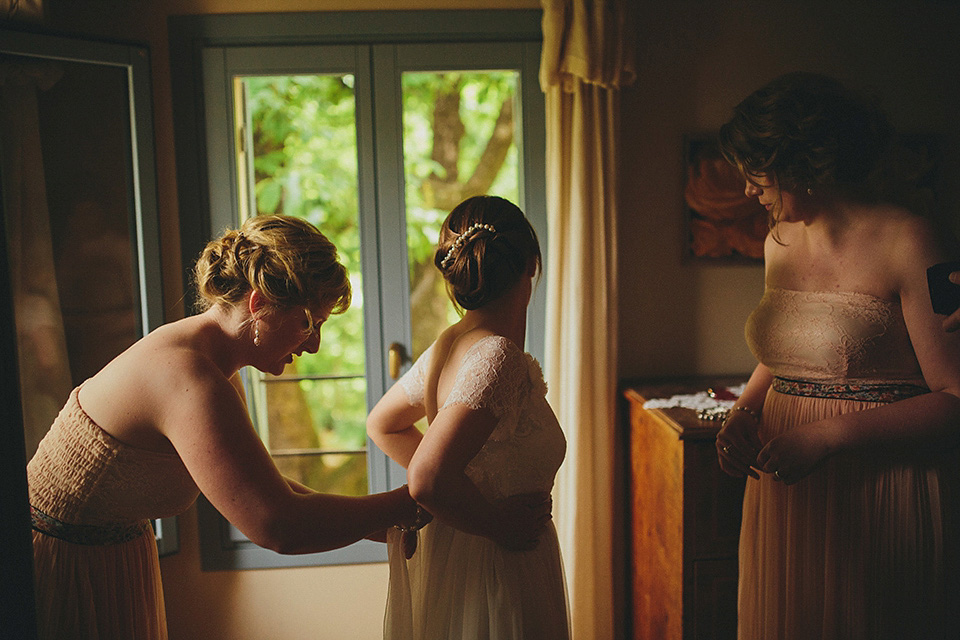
[[382, 42]]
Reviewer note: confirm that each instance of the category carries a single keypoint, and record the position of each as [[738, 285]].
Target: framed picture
[[721, 223]]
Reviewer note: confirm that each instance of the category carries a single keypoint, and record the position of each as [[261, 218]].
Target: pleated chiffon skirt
[[865, 547], [460, 586], [99, 592]]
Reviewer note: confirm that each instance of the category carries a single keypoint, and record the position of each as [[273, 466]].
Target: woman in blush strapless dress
[[850, 424], [167, 419]]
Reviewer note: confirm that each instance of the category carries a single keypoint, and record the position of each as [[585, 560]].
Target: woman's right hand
[[738, 444], [523, 520]]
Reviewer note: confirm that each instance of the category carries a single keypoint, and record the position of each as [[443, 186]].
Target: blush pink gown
[[866, 546]]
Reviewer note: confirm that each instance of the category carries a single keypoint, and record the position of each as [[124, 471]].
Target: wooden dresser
[[685, 515]]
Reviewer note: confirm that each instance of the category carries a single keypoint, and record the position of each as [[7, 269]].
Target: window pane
[[458, 141], [298, 157]]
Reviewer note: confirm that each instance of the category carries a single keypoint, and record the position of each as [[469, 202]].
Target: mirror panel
[[78, 197]]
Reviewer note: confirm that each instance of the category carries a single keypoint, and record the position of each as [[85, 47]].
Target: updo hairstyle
[[286, 259], [806, 130], [480, 265]]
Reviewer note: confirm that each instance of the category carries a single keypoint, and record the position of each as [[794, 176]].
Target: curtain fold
[[587, 55]]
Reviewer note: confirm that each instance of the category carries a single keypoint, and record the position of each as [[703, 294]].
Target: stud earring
[[256, 333]]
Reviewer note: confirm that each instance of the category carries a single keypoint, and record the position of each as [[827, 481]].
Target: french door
[[374, 144]]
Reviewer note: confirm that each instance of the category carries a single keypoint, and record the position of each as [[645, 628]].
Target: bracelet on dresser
[[419, 523]]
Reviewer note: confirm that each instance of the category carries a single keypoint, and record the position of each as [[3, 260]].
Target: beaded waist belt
[[864, 392], [85, 533]]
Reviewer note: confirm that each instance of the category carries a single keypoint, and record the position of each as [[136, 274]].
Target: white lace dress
[[465, 587]]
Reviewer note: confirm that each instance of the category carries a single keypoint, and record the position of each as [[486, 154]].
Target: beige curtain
[[587, 56]]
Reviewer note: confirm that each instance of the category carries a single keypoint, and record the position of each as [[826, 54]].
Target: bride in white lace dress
[[488, 566]]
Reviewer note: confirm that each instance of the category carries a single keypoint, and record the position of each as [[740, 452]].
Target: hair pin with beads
[[463, 238]]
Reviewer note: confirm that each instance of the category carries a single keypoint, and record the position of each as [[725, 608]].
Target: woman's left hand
[[793, 455]]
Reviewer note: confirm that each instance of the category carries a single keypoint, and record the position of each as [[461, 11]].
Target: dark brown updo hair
[[286, 259], [806, 130], [480, 264]]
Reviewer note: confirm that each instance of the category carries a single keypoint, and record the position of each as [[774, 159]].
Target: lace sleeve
[[413, 380], [495, 375]]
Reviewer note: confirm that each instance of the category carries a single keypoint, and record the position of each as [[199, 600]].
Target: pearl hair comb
[[463, 238]]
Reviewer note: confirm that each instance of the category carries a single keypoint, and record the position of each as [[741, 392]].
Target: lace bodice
[[83, 475], [832, 336], [527, 446]]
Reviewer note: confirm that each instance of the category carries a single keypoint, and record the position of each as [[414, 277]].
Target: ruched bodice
[[832, 336], [95, 557], [83, 475]]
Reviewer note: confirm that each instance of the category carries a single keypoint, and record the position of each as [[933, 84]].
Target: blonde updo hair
[[286, 259], [486, 245]]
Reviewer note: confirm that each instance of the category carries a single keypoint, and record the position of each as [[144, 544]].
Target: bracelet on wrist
[[756, 416], [419, 523]]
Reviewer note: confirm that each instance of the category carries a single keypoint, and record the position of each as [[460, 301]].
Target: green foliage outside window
[[458, 141], [305, 165]]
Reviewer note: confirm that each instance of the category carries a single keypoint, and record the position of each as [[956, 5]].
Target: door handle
[[396, 357]]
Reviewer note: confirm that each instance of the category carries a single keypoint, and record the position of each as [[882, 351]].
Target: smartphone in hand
[[944, 294]]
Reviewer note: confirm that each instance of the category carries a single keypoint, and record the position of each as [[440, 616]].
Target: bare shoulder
[[147, 385], [912, 241], [903, 246]]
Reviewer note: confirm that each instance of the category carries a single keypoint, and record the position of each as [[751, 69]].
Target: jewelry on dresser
[[713, 414]]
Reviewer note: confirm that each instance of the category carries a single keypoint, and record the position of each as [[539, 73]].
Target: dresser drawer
[[715, 599], [714, 500], [685, 518]]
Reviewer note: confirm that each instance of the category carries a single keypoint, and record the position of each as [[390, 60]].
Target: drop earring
[[809, 191], [256, 332]]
